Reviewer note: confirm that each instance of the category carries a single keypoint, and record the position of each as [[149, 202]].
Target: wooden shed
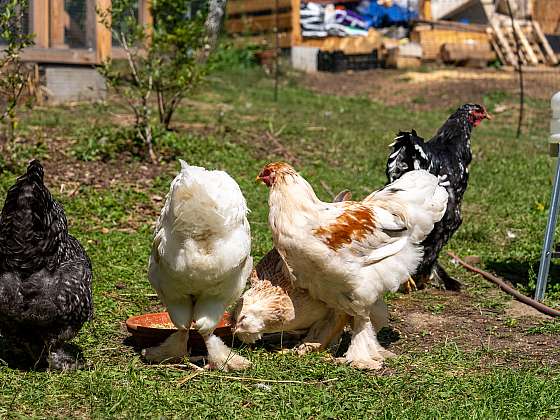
[[69, 41], [70, 32]]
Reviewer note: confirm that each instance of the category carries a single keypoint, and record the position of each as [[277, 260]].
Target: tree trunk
[[216, 11], [148, 142]]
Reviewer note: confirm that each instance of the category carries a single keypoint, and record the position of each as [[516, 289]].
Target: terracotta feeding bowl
[[151, 329]]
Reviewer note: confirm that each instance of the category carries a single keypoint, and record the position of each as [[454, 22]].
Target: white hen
[[347, 254], [200, 260]]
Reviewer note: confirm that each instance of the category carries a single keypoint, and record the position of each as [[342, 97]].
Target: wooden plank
[[425, 9], [40, 22], [348, 45], [296, 24], [394, 60], [145, 17], [525, 43], [284, 40], [432, 40], [62, 56], [551, 57], [457, 52], [57, 23], [255, 24], [428, 25], [503, 42], [238, 7], [498, 51], [104, 40], [547, 14]]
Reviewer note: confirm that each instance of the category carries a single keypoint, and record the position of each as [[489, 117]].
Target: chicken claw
[[305, 348], [409, 286], [234, 362]]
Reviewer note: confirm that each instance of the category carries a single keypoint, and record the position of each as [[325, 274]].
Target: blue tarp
[[380, 16]]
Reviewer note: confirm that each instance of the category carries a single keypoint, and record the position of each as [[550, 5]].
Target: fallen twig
[[249, 379], [184, 380], [75, 191], [506, 288], [180, 366]]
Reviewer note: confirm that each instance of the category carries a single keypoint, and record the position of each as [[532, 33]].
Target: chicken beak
[[488, 116], [258, 178]]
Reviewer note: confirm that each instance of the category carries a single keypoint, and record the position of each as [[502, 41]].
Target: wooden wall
[[547, 13]]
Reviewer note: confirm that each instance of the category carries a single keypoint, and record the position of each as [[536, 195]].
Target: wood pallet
[[534, 48]]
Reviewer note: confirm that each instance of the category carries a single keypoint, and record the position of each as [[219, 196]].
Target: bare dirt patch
[[439, 88], [432, 318]]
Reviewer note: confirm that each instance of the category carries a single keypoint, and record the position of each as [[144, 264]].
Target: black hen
[[447, 155], [45, 274]]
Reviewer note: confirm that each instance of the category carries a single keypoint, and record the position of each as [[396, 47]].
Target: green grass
[[338, 143]]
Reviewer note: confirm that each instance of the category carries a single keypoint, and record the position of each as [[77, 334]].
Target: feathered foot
[[173, 349], [222, 357], [441, 276], [365, 352], [65, 358], [409, 286]]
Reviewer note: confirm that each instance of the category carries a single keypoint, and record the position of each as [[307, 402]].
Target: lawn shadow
[[272, 342], [15, 356], [518, 272]]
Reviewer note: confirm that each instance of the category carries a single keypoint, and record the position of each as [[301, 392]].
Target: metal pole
[[549, 235]]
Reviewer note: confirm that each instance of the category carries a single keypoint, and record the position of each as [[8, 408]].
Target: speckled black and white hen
[[446, 155], [45, 274]]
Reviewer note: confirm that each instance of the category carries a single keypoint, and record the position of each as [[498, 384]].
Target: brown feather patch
[[354, 224]]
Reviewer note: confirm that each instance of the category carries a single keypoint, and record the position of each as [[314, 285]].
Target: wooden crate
[[432, 38]]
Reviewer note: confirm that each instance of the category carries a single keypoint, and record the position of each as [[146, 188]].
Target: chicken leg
[[208, 312], [365, 352], [173, 349], [222, 357]]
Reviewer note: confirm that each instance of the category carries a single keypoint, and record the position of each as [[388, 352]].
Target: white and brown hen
[[348, 254]]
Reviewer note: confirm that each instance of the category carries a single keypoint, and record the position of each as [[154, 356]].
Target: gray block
[[305, 58], [73, 84]]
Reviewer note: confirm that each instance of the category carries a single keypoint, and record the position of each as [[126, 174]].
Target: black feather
[[45, 274], [446, 155]]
